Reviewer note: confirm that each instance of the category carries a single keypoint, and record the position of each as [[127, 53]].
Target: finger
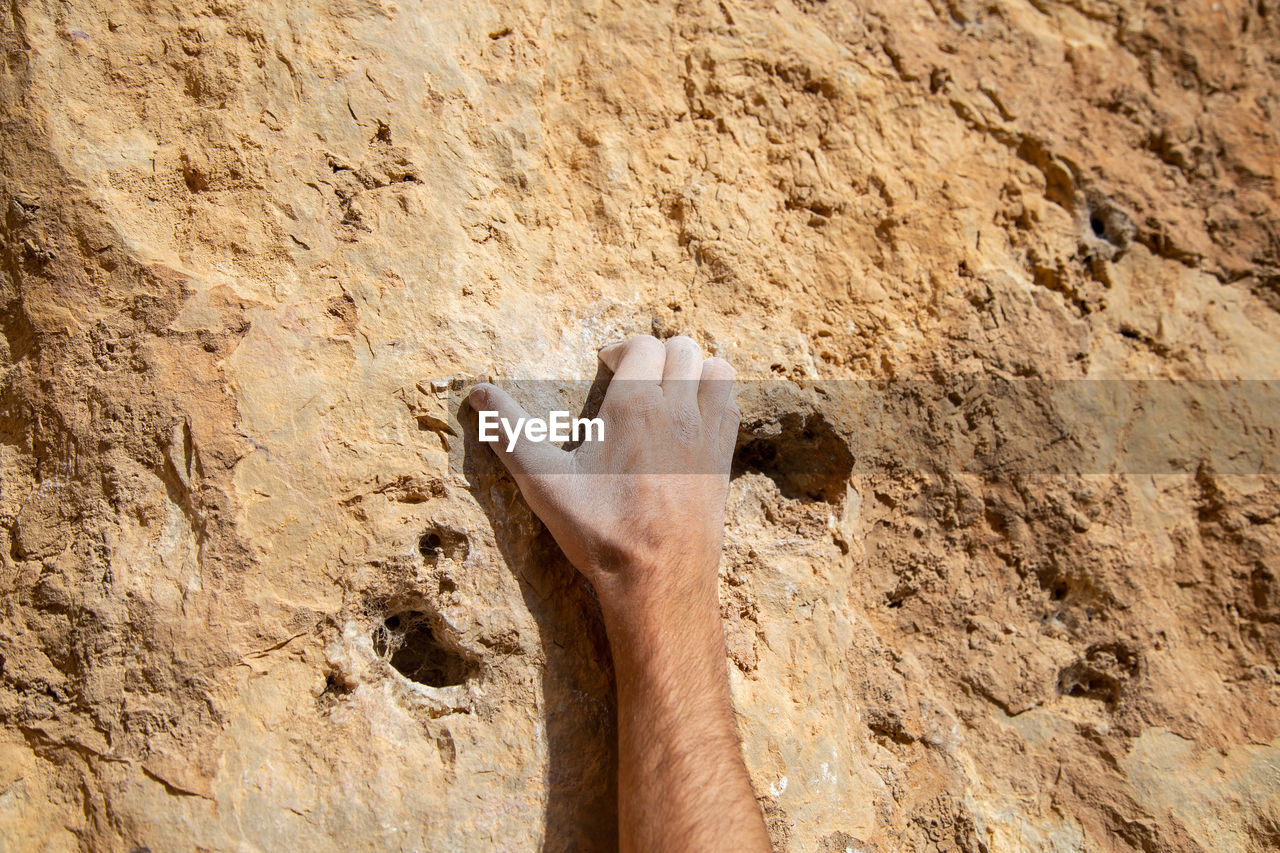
[[715, 390], [639, 359], [681, 371], [727, 436], [528, 461]]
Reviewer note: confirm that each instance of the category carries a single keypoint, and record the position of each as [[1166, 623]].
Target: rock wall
[[258, 591]]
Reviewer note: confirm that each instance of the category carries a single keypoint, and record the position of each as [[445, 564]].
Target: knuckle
[[687, 434], [643, 401], [686, 424]]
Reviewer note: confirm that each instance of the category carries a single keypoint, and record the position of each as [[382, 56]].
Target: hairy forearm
[[682, 782]]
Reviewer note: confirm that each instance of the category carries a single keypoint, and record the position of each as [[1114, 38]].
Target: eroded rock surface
[[259, 590]]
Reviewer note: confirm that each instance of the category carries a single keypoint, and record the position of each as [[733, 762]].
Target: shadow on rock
[[578, 698]]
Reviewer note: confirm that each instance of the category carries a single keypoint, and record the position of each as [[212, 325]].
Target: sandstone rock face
[[258, 589]]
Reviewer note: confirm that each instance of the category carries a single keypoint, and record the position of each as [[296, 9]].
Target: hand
[[640, 513]]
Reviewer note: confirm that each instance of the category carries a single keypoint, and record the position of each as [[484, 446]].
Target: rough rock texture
[[242, 239]]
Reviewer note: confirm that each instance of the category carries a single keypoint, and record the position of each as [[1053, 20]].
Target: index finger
[[640, 358]]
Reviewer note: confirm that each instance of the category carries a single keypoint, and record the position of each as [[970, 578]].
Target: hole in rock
[[1263, 588], [1110, 223], [408, 642], [335, 688], [443, 542], [802, 453], [1102, 674]]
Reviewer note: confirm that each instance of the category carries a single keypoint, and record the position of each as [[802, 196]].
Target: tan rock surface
[[241, 240]]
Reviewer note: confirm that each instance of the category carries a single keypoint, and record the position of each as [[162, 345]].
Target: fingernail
[[479, 397], [608, 346]]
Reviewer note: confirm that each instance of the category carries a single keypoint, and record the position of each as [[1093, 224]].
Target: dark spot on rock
[[448, 749], [408, 642], [1110, 224], [1103, 673], [443, 542], [839, 842], [335, 687], [195, 179], [343, 309], [802, 453], [1264, 590]]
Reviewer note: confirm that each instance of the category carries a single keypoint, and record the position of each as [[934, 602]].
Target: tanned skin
[[641, 515]]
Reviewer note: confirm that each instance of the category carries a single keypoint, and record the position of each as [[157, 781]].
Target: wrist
[[671, 639], [660, 602]]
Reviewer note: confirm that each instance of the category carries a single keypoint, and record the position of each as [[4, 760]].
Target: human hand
[[641, 512]]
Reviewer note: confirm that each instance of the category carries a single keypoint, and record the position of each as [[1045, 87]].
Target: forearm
[[681, 779]]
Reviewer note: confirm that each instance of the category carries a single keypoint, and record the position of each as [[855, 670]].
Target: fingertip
[[717, 368], [608, 355], [478, 396], [685, 347]]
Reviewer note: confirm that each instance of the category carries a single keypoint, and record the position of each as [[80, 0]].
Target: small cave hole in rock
[[1102, 674], [408, 642], [443, 542], [334, 685], [800, 452], [1110, 223], [335, 688]]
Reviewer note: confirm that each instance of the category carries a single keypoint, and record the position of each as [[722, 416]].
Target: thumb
[[528, 461]]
